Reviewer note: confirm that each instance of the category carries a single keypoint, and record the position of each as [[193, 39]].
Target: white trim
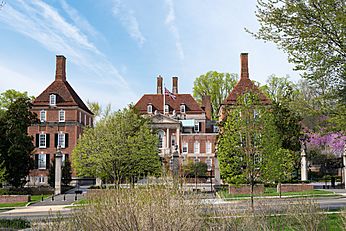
[[185, 145], [61, 139], [182, 108], [45, 140], [52, 100], [196, 147], [42, 162], [208, 147], [61, 116], [149, 109], [44, 112]]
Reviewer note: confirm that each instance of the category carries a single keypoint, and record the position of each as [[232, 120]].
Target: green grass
[[272, 192]]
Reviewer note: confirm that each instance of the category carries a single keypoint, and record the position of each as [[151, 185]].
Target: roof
[[156, 100], [243, 86], [66, 96]]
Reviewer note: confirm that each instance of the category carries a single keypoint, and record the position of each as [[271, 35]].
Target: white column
[[177, 135], [167, 142], [304, 166]]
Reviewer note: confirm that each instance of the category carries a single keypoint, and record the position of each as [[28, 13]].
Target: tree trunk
[[252, 201], [280, 189]]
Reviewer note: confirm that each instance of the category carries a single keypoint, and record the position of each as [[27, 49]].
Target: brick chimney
[[159, 85], [175, 85], [244, 73], [60, 73], [206, 106]]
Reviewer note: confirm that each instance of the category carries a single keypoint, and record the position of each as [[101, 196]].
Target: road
[[218, 205]]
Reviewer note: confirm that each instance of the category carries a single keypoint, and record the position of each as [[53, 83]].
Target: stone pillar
[[177, 137], [304, 165], [344, 168], [217, 176], [175, 162], [98, 182], [58, 163]]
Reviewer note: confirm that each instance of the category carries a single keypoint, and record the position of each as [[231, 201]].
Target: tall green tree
[[216, 85], [247, 138], [312, 33], [15, 144], [121, 146]]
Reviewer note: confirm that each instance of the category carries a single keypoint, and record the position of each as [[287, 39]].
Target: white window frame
[[173, 140], [42, 140], [182, 108], [166, 108], [196, 147], [80, 117], [150, 109], [196, 127], [161, 136], [43, 116], [208, 147], [41, 179], [61, 116], [61, 140], [209, 162], [52, 100], [85, 119], [42, 161], [185, 145]]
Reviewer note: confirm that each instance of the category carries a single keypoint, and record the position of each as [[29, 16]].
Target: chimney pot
[[244, 73], [175, 85], [60, 72], [159, 85]]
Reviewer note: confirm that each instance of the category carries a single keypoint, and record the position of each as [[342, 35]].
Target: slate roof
[[66, 96], [156, 100]]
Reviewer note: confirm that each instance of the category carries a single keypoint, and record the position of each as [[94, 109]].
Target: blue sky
[[116, 48]]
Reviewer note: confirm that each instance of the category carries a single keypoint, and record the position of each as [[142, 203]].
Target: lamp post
[[58, 163]]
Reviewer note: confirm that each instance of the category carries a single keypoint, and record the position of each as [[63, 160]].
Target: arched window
[[150, 108], [161, 135]]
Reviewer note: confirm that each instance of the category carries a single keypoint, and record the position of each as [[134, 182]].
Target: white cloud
[[45, 25], [128, 20], [170, 22]]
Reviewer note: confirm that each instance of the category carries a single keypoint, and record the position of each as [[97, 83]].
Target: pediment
[[163, 119]]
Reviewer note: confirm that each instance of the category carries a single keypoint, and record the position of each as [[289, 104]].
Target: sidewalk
[[64, 199]]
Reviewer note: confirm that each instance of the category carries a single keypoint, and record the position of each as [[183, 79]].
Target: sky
[[115, 49]]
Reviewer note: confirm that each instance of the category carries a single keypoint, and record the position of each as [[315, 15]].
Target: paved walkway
[[64, 199]]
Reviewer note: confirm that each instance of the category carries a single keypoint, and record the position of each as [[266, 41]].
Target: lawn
[[34, 199], [272, 192]]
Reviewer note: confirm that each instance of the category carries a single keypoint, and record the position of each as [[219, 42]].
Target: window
[[173, 143], [61, 140], [52, 100], [209, 163], [90, 123], [197, 160], [161, 137], [43, 116], [196, 147], [208, 147], [42, 141], [42, 161], [196, 126], [61, 116], [85, 119], [185, 147], [215, 129], [182, 108], [64, 159], [41, 179], [80, 117], [166, 108], [150, 108]]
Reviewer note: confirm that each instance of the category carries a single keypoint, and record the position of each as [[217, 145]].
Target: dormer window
[[166, 108], [182, 108], [52, 100], [61, 116], [150, 109], [43, 116]]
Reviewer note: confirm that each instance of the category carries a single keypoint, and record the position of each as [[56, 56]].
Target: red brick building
[[182, 123], [63, 116]]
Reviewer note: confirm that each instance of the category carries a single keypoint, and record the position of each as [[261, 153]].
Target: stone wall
[[14, 198], [245, 189], [294, 187]]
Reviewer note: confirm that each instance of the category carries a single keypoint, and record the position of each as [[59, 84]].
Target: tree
[[15, 144], [66, 172], [216, 85], [195, 169], [121, 146], [312, 33], [51, 174], [247, 143], [98, 111]]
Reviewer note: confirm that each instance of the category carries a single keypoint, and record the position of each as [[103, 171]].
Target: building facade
[[62, 117], [182, 125]]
